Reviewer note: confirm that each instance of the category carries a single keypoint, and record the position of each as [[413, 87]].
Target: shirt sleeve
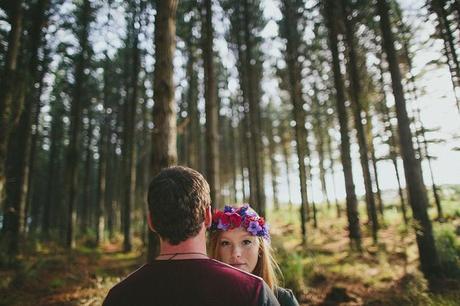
[[286, 297], [267, 298], [290, 298]]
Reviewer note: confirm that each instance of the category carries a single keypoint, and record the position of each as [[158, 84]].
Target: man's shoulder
[[129, 281], [232, 272]]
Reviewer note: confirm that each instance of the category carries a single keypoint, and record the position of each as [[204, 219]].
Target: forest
[[337, 120]]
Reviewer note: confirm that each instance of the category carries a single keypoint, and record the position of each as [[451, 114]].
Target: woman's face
[[239, 249]]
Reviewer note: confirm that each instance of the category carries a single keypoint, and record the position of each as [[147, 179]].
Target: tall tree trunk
[[8, 80], [273, 163], [256, 174], [313, 202], [392, 140], [104, 147], [85, 204], [129, 140], [352, 203], [247, 162], [285, 146], [212, 112], [32, 98], [15, 158], [164, 152], [111, 192], [75, 124], [319, 135], [332, 166], [355, 91], [31, 158], [192, 100], [370, 137], [143, 168], [412, 168], [54, 161], [243, 145], [423, 142], [449, 46], [290, 20], [19, 143], [235, 156]]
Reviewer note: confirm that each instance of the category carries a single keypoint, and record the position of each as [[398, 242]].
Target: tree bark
[[129, 140], [85, 204], [423, 143], [332, 166], [412, 168], [352, 203], [8, 80], [104, 147], [285, 146], [75, 124], [374, 165], [256, 174], [212, 112], [449, 46], [192, 100], [357, 108], [319, 136], [392, 140], [273, 162], [19, 144], [290, 24]]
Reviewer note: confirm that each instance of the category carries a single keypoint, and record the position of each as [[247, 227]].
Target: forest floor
[[325, 272]]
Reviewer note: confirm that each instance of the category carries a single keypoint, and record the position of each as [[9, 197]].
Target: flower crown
[[244, 216]]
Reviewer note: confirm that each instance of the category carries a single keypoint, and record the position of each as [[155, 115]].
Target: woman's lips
[[238, 265]]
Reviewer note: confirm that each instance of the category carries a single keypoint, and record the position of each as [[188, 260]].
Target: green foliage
[[445, 299], [448, 247], [414, 290], [57, 283], [292, 268], [88, 240]]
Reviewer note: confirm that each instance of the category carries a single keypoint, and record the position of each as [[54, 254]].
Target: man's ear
[[149, 221], [208, 217]]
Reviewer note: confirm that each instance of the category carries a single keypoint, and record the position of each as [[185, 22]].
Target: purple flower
[[254, 227], [222, 226], [264, 233], [251, 213], [243, 209], [229, 209]]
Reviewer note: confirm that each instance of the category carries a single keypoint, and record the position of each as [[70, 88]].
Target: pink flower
[[235, 220]]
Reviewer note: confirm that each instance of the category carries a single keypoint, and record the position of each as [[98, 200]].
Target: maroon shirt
[[190, 282]]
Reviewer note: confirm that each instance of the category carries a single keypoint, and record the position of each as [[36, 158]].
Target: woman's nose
[[236, 252]]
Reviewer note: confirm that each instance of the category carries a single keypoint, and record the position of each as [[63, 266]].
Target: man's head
[[178, 198]]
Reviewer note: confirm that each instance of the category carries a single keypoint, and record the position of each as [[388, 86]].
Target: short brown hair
[[177, 199]]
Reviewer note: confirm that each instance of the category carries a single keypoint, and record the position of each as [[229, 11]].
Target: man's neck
[[192, 248]]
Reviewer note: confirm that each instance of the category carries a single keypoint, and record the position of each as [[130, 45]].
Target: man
[[182, 275]]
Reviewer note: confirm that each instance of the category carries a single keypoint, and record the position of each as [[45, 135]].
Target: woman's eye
[[224, 243], [247, 242]]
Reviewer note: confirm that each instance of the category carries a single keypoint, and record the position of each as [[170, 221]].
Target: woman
[[240, 238]]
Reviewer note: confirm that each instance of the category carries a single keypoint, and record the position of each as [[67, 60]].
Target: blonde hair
[[266, 267]]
